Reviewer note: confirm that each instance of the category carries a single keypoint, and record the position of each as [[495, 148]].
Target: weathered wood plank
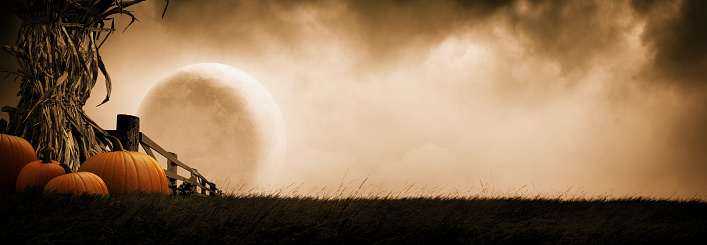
[[151, 144], [197, 179], [172, 168], [128, 132], [178, 177], [147, 150], [193, 180], [163, 152], [200, 186], [212, 189], [129, 128], [193, 177]]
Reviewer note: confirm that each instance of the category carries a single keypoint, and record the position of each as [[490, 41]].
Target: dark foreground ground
[[148, 218]]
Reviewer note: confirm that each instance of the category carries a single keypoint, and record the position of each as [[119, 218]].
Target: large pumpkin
[[77, 183], [127, 171], [15, 153], [35, 175]]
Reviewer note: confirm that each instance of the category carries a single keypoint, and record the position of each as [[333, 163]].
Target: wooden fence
[[127, 130]]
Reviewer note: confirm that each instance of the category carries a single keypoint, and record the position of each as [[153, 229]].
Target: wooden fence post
[[127, 130], [172, 167], [193, 176], [202, 181], [212, 189]]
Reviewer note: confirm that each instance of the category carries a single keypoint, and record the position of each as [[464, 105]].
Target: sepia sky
[[534, 97]]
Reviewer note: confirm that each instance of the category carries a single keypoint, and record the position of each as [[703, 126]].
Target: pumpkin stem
[[117, 146], [47, 154], [3, 126], [67, 170]]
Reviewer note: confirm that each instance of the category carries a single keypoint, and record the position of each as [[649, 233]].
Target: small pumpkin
[[77, 183], [127, 171], [35, 175], [15, 153]]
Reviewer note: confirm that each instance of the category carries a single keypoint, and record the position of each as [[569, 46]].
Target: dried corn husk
[[57, 50]]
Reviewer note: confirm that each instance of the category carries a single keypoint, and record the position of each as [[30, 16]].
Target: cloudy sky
[[537, 97]]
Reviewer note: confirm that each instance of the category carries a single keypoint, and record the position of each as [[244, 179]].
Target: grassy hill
[[32, 218]]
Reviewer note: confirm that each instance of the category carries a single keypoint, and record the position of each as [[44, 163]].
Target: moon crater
[[218, 119]]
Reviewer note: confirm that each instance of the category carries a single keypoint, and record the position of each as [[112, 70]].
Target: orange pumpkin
[[35, 175], [77, 183], [127, 171], [15, 153]]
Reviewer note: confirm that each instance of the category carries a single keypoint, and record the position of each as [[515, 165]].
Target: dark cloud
[[643, 6], [440, 100], [676, 34], [383, 33], [677, 41], [482, 8], [239, 26], [571, 32], [389, 30]]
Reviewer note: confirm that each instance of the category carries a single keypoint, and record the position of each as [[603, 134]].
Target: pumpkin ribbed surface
[[37, 174], [77, 183], [15, 153], [128, 171]]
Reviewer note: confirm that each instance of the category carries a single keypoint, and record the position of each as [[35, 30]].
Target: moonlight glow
[[529, 97], [232, 124]]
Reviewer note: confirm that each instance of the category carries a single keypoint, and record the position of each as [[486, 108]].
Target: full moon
[[219, 120]]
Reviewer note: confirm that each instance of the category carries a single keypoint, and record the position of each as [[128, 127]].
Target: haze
[[600, 97]]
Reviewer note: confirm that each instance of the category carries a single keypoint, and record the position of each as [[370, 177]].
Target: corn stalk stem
[[59, 62]]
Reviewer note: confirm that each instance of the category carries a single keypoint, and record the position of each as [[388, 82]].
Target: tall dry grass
[[140, 218]]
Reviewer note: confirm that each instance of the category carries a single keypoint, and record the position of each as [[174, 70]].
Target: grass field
[[33, 218]]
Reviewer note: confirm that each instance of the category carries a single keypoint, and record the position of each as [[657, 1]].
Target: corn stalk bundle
[[57, 50]]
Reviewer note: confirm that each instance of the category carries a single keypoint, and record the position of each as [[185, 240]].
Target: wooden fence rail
[[127, 130]]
